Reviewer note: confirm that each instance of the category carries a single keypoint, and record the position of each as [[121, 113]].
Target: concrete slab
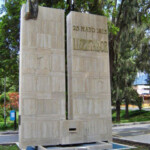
[[135, 134], [89, 96], [42, 77], [139, 138]]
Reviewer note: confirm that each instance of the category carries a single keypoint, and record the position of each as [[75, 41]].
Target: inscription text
[[90, 45], [89, 29]]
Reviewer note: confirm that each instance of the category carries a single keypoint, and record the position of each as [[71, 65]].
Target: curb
[[129, 124], [9, 132], [121, 140], [8, 144]]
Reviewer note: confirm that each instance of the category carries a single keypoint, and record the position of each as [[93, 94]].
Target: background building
[[143, 88]]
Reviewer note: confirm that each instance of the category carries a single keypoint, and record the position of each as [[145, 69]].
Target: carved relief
[[31, 11]]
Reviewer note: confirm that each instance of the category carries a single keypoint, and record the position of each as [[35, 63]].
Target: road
[[8, 138], [138, 133]]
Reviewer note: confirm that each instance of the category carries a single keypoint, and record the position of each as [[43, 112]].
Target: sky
[[1, 2]]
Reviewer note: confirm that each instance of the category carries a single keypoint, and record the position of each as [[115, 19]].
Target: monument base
[[91, 146]]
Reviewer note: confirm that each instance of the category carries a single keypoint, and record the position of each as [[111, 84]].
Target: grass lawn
[[11, 147], [141, 148], [134, 116]]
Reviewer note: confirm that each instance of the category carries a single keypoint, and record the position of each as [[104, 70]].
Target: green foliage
[[9, 124], [2, 98], [10, 147], [139, 102], [2, 111], [148, 80], [112, 28], [129, 46], [135, 116], [128, 24], [135, 99], [132, 97], [9, 42]]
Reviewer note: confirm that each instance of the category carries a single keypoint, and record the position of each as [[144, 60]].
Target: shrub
[[14, 100], [2, 98]]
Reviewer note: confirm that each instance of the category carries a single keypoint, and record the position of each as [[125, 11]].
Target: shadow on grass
[[9, 126], [134, 116]]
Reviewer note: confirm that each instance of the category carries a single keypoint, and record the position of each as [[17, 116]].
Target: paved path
[[138, 133], [8, 138]]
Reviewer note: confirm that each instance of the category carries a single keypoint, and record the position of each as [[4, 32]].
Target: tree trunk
[[118, 111], [69, 2], [127, 108], [5, 101], [113, 18]]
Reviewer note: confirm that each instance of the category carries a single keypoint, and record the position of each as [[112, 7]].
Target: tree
[[132, 97], [9, 40], [125, 45], [128, 23], [4, 100], [9, 44]]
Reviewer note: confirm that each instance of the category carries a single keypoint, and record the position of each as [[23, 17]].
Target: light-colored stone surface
[[89, 97], [42, 78], [72, 132]]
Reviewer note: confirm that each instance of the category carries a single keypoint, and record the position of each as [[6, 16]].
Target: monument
[[89, 97], [42, 78], [44, 119]]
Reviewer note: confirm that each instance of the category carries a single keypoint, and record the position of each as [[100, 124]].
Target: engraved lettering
[[76, 28], [89, 29], [90, 45], [82, 28], [93, 30], [98, 30], [105, 46]]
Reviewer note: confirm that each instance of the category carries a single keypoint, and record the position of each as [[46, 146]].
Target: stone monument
[[42, 78], [89, 99], [42, 106]]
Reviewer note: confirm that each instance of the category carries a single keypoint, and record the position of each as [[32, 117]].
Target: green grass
[[134, 116], [11, 147]]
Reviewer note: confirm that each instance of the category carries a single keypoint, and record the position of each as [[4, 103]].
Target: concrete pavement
[[8, 139], [139, 133]]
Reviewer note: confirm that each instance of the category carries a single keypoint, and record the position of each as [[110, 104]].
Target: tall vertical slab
[[89, 97], [42, 78]]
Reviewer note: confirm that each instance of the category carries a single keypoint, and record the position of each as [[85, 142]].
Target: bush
[[14, 100], [9, 125], [2, 98]]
